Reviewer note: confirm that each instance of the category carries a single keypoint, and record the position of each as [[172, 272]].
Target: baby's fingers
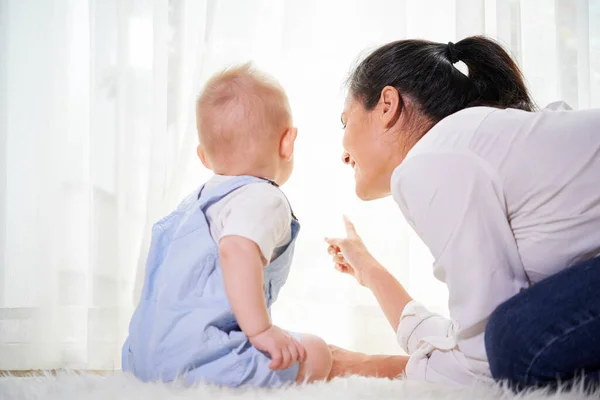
[[301, 351], [293, 353], [286, 358], [276, 359]]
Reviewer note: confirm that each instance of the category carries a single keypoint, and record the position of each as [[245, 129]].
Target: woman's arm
[[390, 294], [352, 257], [346, 363]]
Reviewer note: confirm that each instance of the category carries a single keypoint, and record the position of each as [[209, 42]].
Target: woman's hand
[[350, 255]]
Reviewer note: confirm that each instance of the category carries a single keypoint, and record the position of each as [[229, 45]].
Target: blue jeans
[[549, 334]]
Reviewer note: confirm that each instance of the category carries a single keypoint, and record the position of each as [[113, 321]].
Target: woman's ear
[[286, 145], [202, 157], [391, 106]]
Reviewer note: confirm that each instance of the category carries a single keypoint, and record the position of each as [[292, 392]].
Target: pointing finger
[[350, 229]]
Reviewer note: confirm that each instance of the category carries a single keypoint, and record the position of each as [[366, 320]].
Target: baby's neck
[[266, 173]]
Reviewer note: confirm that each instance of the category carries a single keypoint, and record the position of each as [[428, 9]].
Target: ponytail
[[425, 72], [495, 77]]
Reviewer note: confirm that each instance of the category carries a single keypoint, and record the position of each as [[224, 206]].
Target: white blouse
[[502, 199]]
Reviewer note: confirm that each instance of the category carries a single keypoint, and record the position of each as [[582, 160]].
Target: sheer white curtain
[[95, 129], [97, 141]]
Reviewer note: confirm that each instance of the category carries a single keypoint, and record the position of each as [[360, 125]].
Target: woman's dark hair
[[424, 71]]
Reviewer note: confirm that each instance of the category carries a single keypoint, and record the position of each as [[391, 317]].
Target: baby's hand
[[283, 349]]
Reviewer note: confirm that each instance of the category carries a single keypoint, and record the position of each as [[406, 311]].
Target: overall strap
[[209, 197], [212, 196]]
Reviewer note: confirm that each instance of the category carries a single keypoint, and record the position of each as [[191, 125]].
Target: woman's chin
[[367, 192]]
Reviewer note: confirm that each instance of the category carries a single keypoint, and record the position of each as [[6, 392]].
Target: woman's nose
[[346, 158]]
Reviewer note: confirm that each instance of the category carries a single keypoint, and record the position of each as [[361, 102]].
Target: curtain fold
[[97, 142]]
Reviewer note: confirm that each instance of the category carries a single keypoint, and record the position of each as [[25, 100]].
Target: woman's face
[[369, 148]]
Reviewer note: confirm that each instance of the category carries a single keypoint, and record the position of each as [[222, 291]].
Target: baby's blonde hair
[[239, 110]]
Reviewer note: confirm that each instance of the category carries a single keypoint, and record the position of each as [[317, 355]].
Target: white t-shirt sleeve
[[455, 203], [261, 213]]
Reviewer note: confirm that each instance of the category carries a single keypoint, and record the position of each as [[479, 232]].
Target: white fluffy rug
[[70, 386]]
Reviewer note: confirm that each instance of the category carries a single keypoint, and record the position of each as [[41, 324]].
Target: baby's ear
[[286, 147], [202, 156]]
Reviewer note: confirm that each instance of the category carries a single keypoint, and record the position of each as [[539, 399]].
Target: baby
[[216, 263]]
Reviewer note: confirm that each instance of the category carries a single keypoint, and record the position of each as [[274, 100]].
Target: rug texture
[[72, 386]]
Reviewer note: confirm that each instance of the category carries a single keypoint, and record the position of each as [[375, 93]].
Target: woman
[[506, 199]]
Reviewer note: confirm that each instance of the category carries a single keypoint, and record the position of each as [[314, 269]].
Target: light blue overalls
[[184, 326]]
